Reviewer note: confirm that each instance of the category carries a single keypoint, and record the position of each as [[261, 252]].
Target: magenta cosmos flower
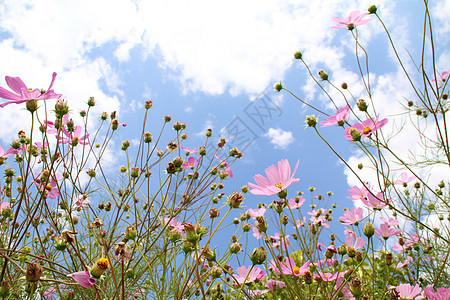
[[338, 118], [75, 137], [83, 278], [23, 94], [245, 275], [364, 129], [354, 19], [51, 189], [5, 154], [289, 267], [191, 162], [277, 179]]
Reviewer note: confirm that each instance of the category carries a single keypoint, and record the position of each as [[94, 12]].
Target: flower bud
[[307, 277], [354, 133], [261, 224], [175, 235], [208, 254], [167, 118], [34, 272], [214, 213], [259, 255], [388, 258], [362, 105], [311, 121], [235, 199], [235, 248], [148, 138], [32, 105], [278, 86], [216, 272], [369, 230], [323, 75], [342, 250], [372, 9], [148, 104], [130, 233], [134, 173], [91, 101], [298, 55], [125, 145], [344, 85], [356, 287]]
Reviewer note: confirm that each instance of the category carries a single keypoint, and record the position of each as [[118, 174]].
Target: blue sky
[[209, 64]]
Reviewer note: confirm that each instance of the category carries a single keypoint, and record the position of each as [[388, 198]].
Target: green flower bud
[[259, 255], [369, 230]]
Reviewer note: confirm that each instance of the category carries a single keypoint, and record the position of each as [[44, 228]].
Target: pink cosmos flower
[[364, 129], [3, 205], [407, 261], [277, 241], [189, 151], [277, 179], [386, 232], [440, 294], [48, 294], [83, 278], [404, 179], [74, 137], [81, 200], [173, 223], [257, 212], [289, 267], [271, 284], [51, 188], [414, 239], [51, 125], [355, 243], [377, 202], [191, 162], [441, 78], [23, 94], [245, 275], [338, 118], [352, 216], [300, 223], [256, 233], [357, 193], [355, 18], [347, 294], [224, 165], [390, 222], [408, 292], [296, 203], [5, 154], [326, 276]]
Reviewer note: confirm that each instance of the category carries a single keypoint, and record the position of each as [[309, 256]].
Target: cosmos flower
[[191, 162], [441, 78], [23, 94], [257, 212], [361, 130], [408, 292], [245, 275], [277, 179], [75, 137], [296, 203], [404, 179], [272, 283], [440, 294], [5, 154], [338, 118], [355, 18], [83, 278], [352, 216], [386, 232], [289, 267]]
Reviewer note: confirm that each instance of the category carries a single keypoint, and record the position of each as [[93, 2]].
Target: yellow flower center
[[30, 90], [296, 270], [48, 187], [367, 130], [103, 263], [279, 185]]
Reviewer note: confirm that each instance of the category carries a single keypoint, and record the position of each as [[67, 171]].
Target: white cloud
[[280, 138]]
